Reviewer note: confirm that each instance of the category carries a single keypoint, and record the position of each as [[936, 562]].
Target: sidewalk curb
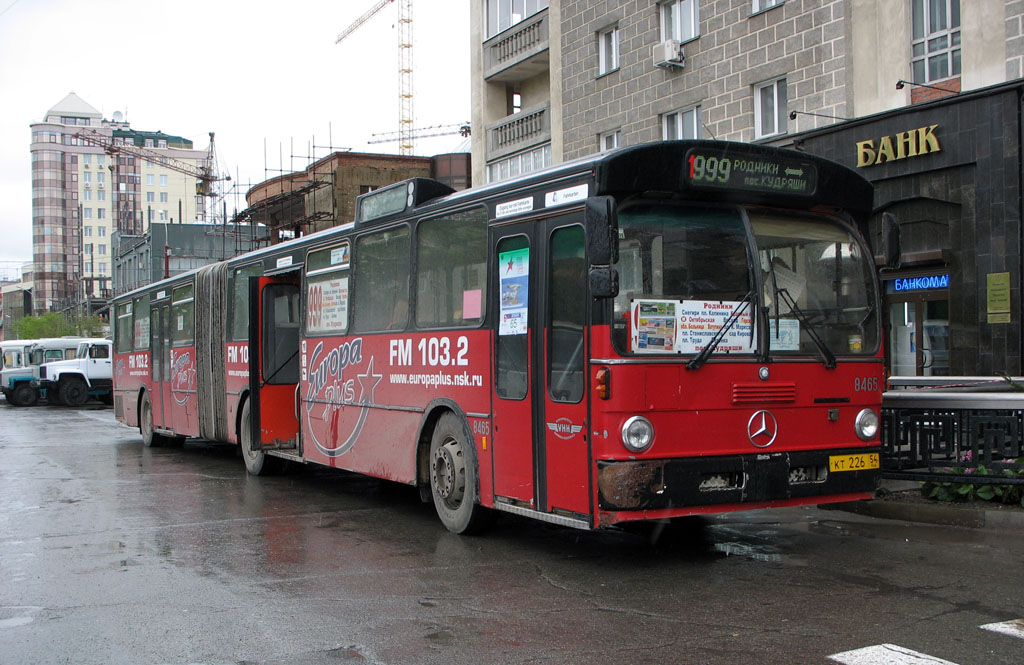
[[978, 518]]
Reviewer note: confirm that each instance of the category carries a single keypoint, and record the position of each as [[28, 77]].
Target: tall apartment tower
[[83, 193], [922, 97]]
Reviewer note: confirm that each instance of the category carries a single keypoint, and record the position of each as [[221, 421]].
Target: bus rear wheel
[[453, 477], [24, 395], [257, 462], [150, 439]]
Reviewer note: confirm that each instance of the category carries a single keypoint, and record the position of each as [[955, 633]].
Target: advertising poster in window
[[687, 326], [514, 283], [654, 326]]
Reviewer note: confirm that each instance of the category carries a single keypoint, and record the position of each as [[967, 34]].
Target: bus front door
[[512, 445], [540, 444], [274, 361]]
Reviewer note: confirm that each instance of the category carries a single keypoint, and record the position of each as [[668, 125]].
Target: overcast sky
[[266, 76]]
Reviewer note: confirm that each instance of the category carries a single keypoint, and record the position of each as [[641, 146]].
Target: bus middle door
[[160, 387], [274, 361]]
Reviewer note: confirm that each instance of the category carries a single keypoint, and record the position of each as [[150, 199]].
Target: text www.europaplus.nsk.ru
[[437, 380]]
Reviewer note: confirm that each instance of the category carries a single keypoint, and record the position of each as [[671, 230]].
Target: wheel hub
[[449, 472]]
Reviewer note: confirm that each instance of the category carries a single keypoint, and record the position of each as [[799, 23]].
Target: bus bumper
[[757, 478]]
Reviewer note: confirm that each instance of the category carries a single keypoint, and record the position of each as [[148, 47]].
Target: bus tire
[[257, 462], [150, 439], [73, 391], [453, 477], [24, 395]]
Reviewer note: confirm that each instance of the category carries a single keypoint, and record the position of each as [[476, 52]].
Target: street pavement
[[114, 553]]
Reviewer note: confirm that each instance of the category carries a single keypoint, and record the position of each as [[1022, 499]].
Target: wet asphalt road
[[112, 553]]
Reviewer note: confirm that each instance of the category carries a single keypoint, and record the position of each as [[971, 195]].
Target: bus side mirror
[[602, 230], [604, 282]]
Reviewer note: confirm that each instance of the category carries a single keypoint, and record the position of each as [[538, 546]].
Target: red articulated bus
[[662, 330]]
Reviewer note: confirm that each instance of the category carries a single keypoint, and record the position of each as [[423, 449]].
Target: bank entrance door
[[918, 325]]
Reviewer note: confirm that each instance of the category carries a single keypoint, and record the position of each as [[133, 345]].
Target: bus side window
[[240, 300], [451, 270], [381, 275], [183, 309]]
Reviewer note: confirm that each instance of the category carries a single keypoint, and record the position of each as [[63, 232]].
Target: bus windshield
[[684, 271]]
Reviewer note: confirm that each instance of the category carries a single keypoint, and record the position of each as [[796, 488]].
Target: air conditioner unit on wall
[[668, 54]]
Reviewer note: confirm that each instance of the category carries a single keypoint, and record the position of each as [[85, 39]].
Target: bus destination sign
[[752, 173]]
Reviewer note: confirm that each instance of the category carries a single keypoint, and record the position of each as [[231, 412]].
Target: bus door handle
[[298, 387]]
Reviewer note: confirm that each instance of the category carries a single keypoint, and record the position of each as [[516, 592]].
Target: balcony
[[520, 52], [517, 132]]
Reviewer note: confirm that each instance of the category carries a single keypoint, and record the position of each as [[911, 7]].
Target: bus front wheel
[[453, 477]]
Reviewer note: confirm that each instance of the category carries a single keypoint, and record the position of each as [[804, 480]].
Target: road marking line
[[886, 654], [1013, 628]]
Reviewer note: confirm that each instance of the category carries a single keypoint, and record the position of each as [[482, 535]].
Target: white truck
[[73, 382], [21, 364]]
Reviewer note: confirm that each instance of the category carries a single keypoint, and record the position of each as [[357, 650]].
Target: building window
[[684, 124], [608, 50], [87, 231], [524, 162], [761, 5], [149, 197], [100, 161], [87, 195], [163, 180], [149, 178], [161, 143], [87, 248], [102, 248], [770, 108], [610, 140], [87, 176], [149, 143], [503, 14], [936, 47], [101, 231], [86, 213], [86, 160], [163, 197], [101, 195], [103, 268], [162, 215], [679, 20], [101, 213], [87, 268]]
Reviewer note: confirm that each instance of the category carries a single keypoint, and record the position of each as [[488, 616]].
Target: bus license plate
[[853, 462]]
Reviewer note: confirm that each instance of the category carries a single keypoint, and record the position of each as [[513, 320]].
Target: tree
[[55, 324]]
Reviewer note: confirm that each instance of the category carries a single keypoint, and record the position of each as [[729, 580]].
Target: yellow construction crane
[[405, 112]]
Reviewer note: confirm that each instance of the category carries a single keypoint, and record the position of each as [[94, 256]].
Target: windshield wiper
[[698, 360], [827, 356]]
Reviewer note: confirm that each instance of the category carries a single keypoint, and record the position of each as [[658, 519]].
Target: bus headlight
[[866, 424], [637, 434]]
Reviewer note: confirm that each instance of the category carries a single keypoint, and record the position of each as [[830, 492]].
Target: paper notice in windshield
[[700, 321], [687, 326]]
